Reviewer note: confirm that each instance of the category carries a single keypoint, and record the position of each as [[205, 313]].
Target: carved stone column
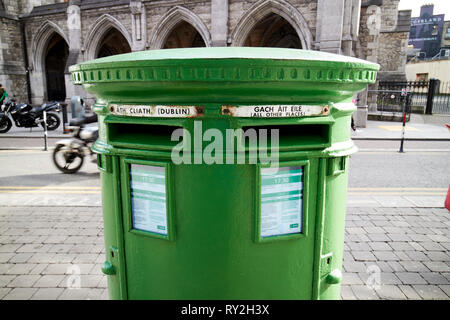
[[74, 37], [219, 21], [374, 27], [138, 25], [329, 26]]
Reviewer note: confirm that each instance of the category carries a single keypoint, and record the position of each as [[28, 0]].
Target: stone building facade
[[39, 39], [445, 42]]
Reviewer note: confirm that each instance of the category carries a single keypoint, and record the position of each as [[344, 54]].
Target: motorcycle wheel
[[67, 160], [53, 122], [5, 124]]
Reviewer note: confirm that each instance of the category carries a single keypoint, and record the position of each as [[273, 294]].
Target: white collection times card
[[281, 201], [148, 198]]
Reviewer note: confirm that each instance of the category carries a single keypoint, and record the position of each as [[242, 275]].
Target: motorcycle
[[25, 115], [69, 154]]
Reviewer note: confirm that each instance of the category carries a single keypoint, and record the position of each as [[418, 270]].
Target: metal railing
[[441, 99], [392, 101], [426, 96]]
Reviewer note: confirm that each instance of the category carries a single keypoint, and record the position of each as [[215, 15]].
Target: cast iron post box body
[[202, 229]]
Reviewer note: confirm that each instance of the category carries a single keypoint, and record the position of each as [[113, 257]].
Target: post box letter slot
[[145, 135], [305, 136]]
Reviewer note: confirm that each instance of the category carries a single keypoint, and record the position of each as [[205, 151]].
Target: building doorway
[[55, 63]]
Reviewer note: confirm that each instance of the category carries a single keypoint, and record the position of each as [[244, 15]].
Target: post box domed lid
[[225, 75]]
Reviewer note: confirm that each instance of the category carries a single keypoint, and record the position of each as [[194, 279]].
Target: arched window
[[180, 28], [184, 35], [273, 31], [112, 43], [107, 36]]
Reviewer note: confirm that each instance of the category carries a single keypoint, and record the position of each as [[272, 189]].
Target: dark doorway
[[55, 63], [113, 43], [273, 31], [184, 35]]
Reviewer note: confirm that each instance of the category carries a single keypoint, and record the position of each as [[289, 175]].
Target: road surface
[[378, 175]]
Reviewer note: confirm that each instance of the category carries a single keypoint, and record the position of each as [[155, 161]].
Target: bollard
[[404, 93], [64, 116], [45, 131]]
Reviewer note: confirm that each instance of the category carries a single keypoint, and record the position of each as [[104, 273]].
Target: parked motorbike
[[25, 115], [69, 154]]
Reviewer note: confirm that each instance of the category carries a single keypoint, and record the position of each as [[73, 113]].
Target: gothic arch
[[95, 35], [40, 42], [265, 7], [169, 21]]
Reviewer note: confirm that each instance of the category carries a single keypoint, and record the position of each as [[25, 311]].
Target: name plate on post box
[[155, 111], [276, 111], [148, 198], [281, 201]]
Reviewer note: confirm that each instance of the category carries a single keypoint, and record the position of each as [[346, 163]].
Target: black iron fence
[[441, 99], [426, 96], [394, 103]]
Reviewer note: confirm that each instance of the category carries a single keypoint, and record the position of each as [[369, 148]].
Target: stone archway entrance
[[112, 43], [184, 35], [55, 63], [273, 31]]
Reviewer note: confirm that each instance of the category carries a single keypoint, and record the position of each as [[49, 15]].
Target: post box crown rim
[[225, 63], [214, 53]]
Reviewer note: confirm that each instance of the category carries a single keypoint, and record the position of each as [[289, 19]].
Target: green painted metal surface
[[210, 242]]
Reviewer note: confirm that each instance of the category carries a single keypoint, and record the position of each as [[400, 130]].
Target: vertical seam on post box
[[257, 203], [120, 227], [320, 219]]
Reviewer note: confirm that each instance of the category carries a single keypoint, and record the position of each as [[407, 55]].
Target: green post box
[[190, 140]]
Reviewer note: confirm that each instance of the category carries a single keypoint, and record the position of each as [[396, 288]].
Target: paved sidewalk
[[402, 252], [419, 127], [45, 251], [425, 128], [38, 132]]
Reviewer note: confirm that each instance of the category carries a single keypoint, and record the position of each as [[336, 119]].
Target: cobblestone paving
[[390, 253], [396, 253], [47, 251]]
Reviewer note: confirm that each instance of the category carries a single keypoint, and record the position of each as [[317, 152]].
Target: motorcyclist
[[3, 95]]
